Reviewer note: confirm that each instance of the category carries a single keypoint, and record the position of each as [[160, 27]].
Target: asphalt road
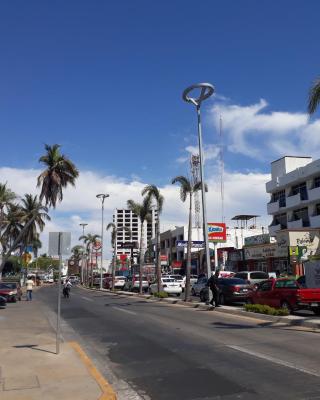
[[167, 352]]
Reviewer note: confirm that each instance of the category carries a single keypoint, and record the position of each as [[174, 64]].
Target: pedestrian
[[213, 285], [66, 289], [30, 285]]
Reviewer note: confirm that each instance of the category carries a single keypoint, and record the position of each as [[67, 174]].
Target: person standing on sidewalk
[[30, 285], [213, 285]]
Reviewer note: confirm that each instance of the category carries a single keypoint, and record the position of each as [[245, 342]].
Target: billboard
[[217, 232]]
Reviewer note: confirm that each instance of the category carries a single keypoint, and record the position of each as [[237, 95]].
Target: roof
[[290, 157], [244, 217]]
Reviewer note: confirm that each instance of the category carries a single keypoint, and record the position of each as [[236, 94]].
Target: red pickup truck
[[286, 293]]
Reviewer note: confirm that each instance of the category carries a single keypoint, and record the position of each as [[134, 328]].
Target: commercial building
[[126, 218], [295, 194]]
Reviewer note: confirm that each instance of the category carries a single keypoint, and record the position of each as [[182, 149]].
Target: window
[[280, 219], [242, 275], [301, 213], [317, 209], [259, 275], [286, 284], [279, 196], [265, 286], [316, 182], [300, 188]]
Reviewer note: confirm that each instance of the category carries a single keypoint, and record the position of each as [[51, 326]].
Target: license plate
[[244, 290], [314, 304]]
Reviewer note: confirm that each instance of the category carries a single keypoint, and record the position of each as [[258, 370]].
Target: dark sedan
[[231, 290]]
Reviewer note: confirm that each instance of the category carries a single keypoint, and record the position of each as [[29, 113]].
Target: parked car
[[119, 282], [11, 291], [73, 279], [231, 290], [168, 285], [3, 302], [133, 284], [252, 277], [286, 293], [199, 285]]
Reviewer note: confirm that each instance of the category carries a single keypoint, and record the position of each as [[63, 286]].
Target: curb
[[107, 391], [290, 321]]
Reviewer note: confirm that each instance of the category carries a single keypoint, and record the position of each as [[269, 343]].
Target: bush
[[161, 294], [263, 309]]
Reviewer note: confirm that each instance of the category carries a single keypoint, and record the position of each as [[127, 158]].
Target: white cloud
[[244, 193], [210, 151], [254, 132]]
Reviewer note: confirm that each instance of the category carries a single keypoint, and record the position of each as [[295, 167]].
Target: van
[[252, 277]]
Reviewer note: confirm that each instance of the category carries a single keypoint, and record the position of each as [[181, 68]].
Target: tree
[[90, 240], [186, 188], [60, 172], [33, 210], [12, 225], [143, 212], [114, 233], [314, 97], [77, 252], [154, 193], [6, 199], [36, 244]]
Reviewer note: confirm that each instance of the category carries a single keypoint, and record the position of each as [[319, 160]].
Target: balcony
[[314, 194], [295, 224], [273, 229], [273, 208], [315, 221], [294, 201]]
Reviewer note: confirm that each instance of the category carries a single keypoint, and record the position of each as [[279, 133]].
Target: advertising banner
[[217, 232], [196, 244]]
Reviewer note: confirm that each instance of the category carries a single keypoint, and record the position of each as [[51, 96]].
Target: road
[[175, 352]]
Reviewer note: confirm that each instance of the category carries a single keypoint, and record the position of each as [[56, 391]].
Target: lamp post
[[102, 197], [206, 90], [83, 225]]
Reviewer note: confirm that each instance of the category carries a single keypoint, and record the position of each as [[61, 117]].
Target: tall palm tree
[[77, 252], [187, 189], [33, 210], [90, 240], [314, 97], [12, 224], [114, 232], [6, 198], [153, 192], [144, 213], [36, 245], [60, 172]]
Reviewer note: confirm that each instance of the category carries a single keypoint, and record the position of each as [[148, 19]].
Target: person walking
[[67, 288], [30, 285], [213, 285]]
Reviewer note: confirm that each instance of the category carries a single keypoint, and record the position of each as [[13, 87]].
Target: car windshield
[[5, 286], [232, 281], [168, 280], [177, 277]]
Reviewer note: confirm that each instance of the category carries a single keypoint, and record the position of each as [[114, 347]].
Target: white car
[[168, 285], [119, 282]]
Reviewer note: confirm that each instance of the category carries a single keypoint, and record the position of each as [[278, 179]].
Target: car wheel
[[178, 294], [316, 310], [193, 293], [286, 305], [222, 300]]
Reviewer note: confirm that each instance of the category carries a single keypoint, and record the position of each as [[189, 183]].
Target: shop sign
[[264, 251], [257, 239], [217, 232], [196, 244]]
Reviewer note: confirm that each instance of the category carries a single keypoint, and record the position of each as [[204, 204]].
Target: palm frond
[[314, 97]]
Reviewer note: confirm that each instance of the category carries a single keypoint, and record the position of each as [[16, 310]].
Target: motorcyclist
[[66, 288]]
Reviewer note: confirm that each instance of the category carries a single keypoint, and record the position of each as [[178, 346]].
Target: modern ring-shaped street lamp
[[206, 90], [102, 196]]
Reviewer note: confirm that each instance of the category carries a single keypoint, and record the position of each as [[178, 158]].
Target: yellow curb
[[107, 391]]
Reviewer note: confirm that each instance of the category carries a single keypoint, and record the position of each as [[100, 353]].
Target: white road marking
[[124, 310], [86, 298], [275, 360]]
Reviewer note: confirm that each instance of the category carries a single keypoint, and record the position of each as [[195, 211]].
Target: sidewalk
[[29, 367]]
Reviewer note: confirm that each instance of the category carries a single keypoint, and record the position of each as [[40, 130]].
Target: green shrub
[[263, 309], [161, 294]]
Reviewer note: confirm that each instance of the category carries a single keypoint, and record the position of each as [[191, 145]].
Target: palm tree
[[114, 233], [314, 97], [36, 245], [59, 173], [12, 224], [77, 252], [143, 212], [187, 188], [33, 210], [90, 240], [153, 192], [6, 198]]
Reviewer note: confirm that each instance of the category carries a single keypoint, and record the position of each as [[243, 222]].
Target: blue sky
[[104, 79]]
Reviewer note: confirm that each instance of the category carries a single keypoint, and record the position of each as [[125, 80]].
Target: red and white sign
[[164, 258], [217, 232], [97, 245]]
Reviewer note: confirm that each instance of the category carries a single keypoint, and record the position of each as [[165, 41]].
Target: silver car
[[199, 285]]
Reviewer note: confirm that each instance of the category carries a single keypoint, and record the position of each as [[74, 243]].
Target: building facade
[[126, 218], [295, 194]]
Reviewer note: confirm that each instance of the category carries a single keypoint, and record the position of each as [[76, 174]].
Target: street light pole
[[102, 196], [206, 90], [83, 225]]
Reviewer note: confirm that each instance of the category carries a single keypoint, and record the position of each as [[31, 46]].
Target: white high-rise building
[[295, 194], [126, 218]]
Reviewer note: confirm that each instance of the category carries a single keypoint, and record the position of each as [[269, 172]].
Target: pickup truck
[[286, 293]]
